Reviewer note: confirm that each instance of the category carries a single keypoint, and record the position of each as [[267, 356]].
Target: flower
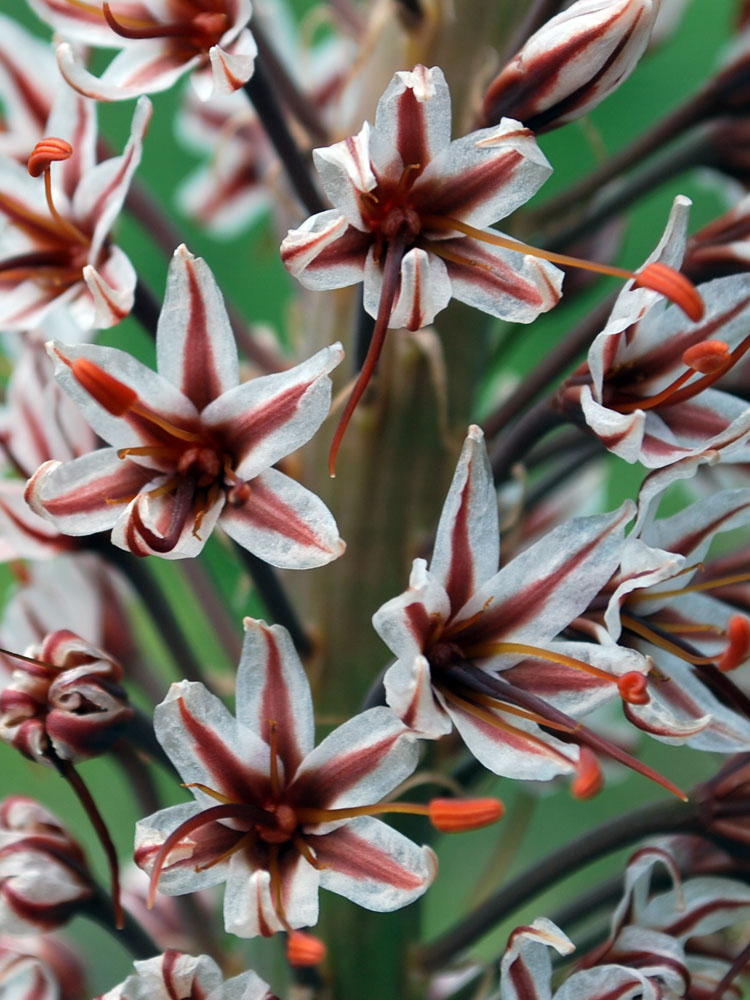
[[55, 247], [646, 389], [572, 63], [275, 817], [173, 974], [44, 878], [191, 446], [160, 41], [479, 649]]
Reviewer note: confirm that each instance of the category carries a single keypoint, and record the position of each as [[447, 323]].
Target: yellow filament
[[495, 648], [68, 227], [693, 588], [658, 640]]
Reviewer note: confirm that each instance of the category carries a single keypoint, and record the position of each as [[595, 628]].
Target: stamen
[[659, 277], [633, 687], [693, 588], [738, 649], [458, 815], [707, 356], [304, 949], [391, 273], [589, 779], [47, 151], [304, 849], [182, 507], [207, 24], [663, 642], [249, 838], [208, 791]]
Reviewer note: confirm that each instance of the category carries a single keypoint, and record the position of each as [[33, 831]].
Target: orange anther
[[674, 286], [589, 779], [633, 688], [738, 649], [708, 356], [304, 949], [46, 152], [458, 815], [109, 392]]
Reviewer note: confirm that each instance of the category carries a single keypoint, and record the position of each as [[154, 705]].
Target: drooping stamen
[[304, 949], [207, 25], [589, 779], [658, 277], [232, 810], [738, 649], [627, 688], [182, 509], [391, 274]]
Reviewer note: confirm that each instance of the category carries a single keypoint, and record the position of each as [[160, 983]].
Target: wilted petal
[[346, 173], [284, 524], [164, 524], [526, 968]]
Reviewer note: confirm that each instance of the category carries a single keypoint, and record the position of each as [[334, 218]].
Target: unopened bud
[[39, 967], [589, 779], [459, 815], [65, 700], [304, 949], [572, 63], [44, 877]]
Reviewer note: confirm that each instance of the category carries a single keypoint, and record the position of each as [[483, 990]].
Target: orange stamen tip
[[459, 815], [109, 392], [707, 357], [48, 151], [633, 688], [589, 780], [304, 949], [674, 286], [738, 649]]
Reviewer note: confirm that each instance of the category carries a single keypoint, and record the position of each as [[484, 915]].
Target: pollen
[[708, 356], [738, 649], [633, 688], [459, 815], [46, 152], [674, 286]]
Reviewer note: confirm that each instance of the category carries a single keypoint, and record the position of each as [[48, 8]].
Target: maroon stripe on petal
[[459, 582], [267, 512], [412, 137], [471, 263], [347, 854], [458, 197], [276, 707], [200, 380], [246, 431], [231, 776]]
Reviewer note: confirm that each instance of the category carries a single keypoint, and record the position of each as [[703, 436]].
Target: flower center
[[388, 212]]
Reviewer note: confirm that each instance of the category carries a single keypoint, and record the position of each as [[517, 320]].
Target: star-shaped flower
[[160, 41], [480, 648], [191, 445], [275, 817], [54, 244]]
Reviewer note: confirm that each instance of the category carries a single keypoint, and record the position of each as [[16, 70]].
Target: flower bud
[[69, 700], [44, 877], [39, 967], [173, 974], [572, 63]]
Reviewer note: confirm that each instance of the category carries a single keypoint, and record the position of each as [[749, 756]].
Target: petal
[[149, 521], [195, 347], [24, 534], [146, 68], [73, 118], [86, 24], [230, 68], [467, 544], [326, 252], [113, 295], [610, 982], [373, 865], [484, 176], [414, 113], [86, 495], [208, 745], [359, 763], [409, 693], [284, 524], [620, 433], [269, 417], [153, 392], [406, 623], [272, 687], [543, 589], [424, 289], [526, 968], [504, 283], [101, 193], [512, 746], [346, 174], [249, 903]]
